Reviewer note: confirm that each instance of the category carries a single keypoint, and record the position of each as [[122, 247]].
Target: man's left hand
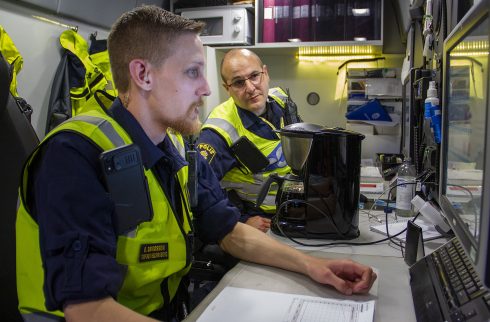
[[259, 222]]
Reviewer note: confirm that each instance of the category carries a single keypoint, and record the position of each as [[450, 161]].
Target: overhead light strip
[[320, 59], [476, 45], [338, 50], [469, 53]]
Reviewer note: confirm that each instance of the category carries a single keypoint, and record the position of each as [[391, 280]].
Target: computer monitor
[[465, 152]]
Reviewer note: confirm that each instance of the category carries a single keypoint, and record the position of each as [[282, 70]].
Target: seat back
[[17, 140]]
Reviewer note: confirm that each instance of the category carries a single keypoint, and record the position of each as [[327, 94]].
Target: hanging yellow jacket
[[81, 73], [148, 284], [86, 74], [12, 56], [225, 121]]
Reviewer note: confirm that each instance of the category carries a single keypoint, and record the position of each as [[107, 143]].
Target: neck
[[141, 111], [261, 111]]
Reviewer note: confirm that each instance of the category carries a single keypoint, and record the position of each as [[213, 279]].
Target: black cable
[[317, 209], [275, 221]]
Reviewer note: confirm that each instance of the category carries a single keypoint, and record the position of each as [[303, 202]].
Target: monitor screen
[[465, 154]]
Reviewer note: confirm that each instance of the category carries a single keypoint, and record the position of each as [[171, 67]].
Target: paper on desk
[[370, 171], [247, 305], [428, 230]]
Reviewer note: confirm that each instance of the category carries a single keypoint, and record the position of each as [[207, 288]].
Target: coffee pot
[[320, 197]]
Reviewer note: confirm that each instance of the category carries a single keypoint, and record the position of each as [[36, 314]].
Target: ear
[[139, 71], [225, 87], [265, 70]]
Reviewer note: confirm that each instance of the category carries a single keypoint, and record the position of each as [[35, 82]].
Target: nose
[[249, 86], [204, 90]]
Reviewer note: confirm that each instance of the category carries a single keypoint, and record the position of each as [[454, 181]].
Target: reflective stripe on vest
[[103, 125], [278, 95], [141, 288], [227, 127], [178, 143], [224, 119]]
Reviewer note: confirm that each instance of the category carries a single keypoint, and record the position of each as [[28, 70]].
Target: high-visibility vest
[[155, 253], [225, 121], [13, 58]]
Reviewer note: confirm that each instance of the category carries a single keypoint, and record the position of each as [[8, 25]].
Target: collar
[[249, 118], [150, 153]]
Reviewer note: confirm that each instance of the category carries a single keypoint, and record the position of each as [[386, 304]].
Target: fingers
[[362, 277], [364, 284], [262, 224], [265, 224], [347, 276], [342, 285]]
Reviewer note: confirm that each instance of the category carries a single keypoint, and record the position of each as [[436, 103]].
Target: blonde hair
[[146, 32]]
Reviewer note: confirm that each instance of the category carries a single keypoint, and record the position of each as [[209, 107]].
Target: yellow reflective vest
[[225, 121], [12, 56], [142, 287]]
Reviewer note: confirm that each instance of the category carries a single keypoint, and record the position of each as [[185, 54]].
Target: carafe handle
[[264, 190]]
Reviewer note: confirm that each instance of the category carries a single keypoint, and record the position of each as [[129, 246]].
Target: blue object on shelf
[[371, 111]]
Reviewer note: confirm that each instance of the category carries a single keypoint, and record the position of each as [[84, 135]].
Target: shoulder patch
[[207, 151]]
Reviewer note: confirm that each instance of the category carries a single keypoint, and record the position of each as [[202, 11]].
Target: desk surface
[[391, 293]]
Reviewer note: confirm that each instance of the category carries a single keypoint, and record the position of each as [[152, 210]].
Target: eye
[[254, 76], [193, 72], [239, 83]]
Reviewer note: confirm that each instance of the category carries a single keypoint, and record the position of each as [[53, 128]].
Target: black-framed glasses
[[255, 78]]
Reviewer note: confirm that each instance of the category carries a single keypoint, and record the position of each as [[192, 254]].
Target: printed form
[[247, 305]]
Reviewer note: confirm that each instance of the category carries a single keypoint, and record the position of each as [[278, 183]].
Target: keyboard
[[446, 287]]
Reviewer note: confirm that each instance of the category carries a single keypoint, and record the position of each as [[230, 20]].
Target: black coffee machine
[[320, 198]]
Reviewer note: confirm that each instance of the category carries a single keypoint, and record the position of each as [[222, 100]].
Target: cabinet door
[[328, 19], [320, 20], [363, 20]]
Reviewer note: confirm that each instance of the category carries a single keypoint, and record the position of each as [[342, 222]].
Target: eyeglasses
[[255, 78]]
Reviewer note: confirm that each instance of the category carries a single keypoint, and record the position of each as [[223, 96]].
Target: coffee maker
[[320, 198]]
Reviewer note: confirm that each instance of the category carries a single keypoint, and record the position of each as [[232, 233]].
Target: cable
[[275, 221], [317, 209]]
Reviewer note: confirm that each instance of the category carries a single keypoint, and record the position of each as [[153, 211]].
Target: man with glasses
[[238, 138]]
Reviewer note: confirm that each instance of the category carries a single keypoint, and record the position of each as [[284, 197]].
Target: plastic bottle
[[431, 94], [436, 111], [405, 190]]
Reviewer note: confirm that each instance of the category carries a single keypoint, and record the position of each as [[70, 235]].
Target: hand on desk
[[249, 244], [260, 223], [346, 276]]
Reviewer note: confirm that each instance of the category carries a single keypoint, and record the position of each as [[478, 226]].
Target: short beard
[[185, 127]]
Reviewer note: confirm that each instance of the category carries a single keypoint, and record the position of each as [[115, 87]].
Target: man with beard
[[71, 260], [251, 115]]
